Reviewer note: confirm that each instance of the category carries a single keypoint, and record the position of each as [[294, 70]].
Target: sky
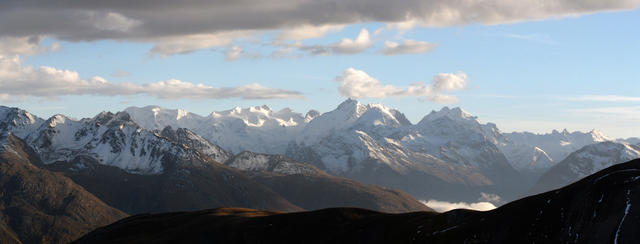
[[530, 65]]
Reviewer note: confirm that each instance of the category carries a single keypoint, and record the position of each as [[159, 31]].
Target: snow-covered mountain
[[365, 142], [447, 151], [537, 152], [256, 129], [139, 170], [586, 161], [111, 139], [18, 121]]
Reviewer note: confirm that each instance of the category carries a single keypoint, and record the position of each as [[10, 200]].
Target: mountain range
[[151, 159], [448, 155]]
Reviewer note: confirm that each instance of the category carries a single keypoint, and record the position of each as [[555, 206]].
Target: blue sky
[[535, 74]]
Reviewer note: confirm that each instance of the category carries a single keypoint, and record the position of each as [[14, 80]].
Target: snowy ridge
[[345, 139], [18, 121], [257, 129], [595, 157], [189, 139], [111, 139]]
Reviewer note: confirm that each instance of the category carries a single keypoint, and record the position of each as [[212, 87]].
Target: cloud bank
[[358, 84], [177, 27], [18, 81], [442, 206]]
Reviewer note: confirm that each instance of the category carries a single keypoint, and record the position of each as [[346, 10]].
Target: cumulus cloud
[[407, 47], [346, 46], [17, 80], [442, 206], [358, 84], [351, 46]]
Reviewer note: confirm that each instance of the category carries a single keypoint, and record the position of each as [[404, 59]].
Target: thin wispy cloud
[[617, 113], [605, 98], [18, 81], [407, 47], [358, 84]]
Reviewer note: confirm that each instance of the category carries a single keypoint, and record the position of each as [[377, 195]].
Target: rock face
[[584, 162], [39, 206], [597, 209]]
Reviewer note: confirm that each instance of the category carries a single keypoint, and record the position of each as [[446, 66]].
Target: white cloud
[[358, 84], [346, 46], [442, 206], [304, 32], [407, 47], [18, 81], [351, 46]]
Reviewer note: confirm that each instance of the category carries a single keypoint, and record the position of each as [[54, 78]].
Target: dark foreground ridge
[[596, 209]]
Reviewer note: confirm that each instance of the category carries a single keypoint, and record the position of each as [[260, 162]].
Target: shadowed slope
[[597, 209]]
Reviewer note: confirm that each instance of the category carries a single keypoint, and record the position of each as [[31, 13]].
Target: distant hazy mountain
[[555, 146], [586, 161], [39, 206], [597, 209], [631, 140]]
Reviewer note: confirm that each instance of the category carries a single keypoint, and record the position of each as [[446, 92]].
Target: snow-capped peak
[[598, 136], [456, 114], [56, 120], [350, 108], [18, 121]]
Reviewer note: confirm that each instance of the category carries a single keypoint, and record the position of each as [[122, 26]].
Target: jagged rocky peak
[[118, 119], [16, 116], [351, 107], [312, 114], [188, 138], [18, 121], [380, 115]]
